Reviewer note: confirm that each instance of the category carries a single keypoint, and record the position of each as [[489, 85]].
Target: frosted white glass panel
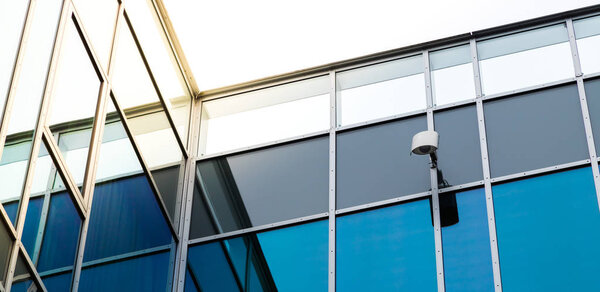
[[587, 32], [452, 75], [264, 116], [525, 59], [381, 90]]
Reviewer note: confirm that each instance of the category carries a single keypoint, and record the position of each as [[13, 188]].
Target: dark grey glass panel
[[265, 186], [375, 164], [166, 180], [459, 152], [201, 222], [5, 244], [535, 130], [592, 94]]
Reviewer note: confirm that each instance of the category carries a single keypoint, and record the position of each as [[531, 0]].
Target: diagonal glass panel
[[145, 115], [6, 242], [22, 280], [12, 19], [52, 222], [162, 62], [13, 167], [99, 19], [125, 215], [27, 100], [73, 103]]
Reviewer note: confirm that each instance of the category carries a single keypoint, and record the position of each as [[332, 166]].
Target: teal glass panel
[[466, 242], [547, 232], [389, 249]]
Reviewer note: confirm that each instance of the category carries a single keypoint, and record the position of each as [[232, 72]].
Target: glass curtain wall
[[113, 178]]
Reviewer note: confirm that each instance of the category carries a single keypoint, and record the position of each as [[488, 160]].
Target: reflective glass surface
[[388, 249], [12, 19], [452, 75], [73, 104], [592, 94], [257, 262], [535, 130], [266, 115], [466, 242], [58, 283], [375, 164], [525, 59], [161, 61], [459, 152], [137, 96], [587, 31], [145, 273], [98, 19], [546, 230], [261, 187], [381, 90]]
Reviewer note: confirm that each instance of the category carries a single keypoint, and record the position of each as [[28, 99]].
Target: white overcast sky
[[232, 41]]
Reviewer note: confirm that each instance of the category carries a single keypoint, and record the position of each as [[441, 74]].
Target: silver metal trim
[[461, 187], [332, 182], [382, 203], [259, 228], [486, 170], [540, 171]]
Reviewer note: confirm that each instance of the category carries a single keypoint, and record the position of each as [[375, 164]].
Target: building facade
[[117, 174]]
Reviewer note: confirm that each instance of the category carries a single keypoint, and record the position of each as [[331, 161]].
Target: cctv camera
[[425, 142]]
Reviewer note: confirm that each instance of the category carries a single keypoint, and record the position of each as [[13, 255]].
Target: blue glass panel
[[32, 223], [208, 263], [389, 249], [11, 210], [125, 218], [297, 256], [58, 283], [467, 254], [547, 232], [61, 235], [22, 286], [190, 286], [147, 273]]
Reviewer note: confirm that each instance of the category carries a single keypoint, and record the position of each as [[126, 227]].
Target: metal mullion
[[332, 180], [486, 169], [94, 153], [188, 195], [144, 165], [176, 49], [166, 107], [435, 199], [61, 168], [4, 219], [584, 109], [35, 144], [34, 275], [15, 75], [44, 214]]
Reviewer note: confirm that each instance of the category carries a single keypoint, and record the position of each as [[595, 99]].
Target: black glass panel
[[459, 152], [261, 187], [535, 130], [375, 163]]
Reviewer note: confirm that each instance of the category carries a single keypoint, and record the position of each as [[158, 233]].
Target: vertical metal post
[[584, 108], [435, 196], [332, 176], [94, 153], [35, 147], [486, 169], [186, 214]]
